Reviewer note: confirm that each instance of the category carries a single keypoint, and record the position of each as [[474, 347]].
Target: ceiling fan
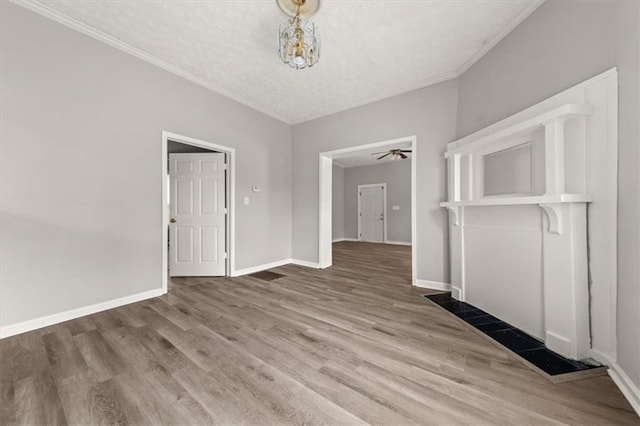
[[397, 154]]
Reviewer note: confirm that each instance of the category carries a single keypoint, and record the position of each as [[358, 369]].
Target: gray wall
[[337, 203], [397, 176], [559, 45], [428, 113], [80, 168]]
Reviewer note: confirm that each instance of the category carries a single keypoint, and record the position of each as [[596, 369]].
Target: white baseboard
[[263, 267], [601, 357], [626, 386], [398, 243], [305, 263], [456, 293], [23, 327], [559, 344], [433, 285]]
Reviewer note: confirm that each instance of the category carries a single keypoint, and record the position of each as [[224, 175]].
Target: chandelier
[[298, 45]]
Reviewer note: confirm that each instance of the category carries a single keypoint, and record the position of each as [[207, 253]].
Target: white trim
[[23, 327], [414, 209], [433, 285], [164, 285], [325, 203], [324, 228], [509, 136], [342, 152], [258, 268], [282, 262], [612, 186], [384, 210], [338, 240], [305, 263], [230, 194], [103, 37], [512, 201], [398, 243], [627, 387], [560, 344], [456, 293], [499, 36], [265, 266], [395, 243]]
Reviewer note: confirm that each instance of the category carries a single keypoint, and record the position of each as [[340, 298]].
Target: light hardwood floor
[[351, 344]]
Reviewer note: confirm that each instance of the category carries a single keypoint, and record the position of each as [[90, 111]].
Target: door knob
[[172, 220]]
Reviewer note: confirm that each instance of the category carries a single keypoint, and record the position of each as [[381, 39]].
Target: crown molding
[[499, 36], [96, 34], [74, 24]]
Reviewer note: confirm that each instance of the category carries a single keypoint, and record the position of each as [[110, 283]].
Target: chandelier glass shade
[[298, 45]]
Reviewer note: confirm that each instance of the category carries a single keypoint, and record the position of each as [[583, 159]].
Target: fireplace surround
[[532, 202]]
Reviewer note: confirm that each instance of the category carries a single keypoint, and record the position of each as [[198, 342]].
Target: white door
[[197, 215], [371, 205]]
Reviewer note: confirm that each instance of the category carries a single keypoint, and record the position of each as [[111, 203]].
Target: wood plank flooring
[[352, 344]]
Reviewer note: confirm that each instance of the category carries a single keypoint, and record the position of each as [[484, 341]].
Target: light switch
[[246, 201], [395, 208]]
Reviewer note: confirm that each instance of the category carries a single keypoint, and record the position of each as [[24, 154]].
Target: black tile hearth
[[493, 326], [470, 315], [551, 362], [483, 319], [514, 339], [455, 306]]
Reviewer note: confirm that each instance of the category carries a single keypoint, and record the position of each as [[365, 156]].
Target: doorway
[[326, 162], [372, 205], [226, 241]]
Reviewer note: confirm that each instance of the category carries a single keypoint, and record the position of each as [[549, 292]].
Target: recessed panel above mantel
[[509, 172]]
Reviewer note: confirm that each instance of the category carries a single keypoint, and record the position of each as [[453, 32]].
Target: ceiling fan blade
[[380, 158], [402, 155], [405, 150]]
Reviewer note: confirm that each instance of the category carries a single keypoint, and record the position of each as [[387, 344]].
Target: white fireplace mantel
[[539, 161], [548, 203]]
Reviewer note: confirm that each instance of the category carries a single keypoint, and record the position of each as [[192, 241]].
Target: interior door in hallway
[[371, 212], [197, 228]]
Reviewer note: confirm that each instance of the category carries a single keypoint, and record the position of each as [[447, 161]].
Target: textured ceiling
[[370, 49]]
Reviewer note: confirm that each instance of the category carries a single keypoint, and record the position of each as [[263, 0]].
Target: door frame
[[325, 239], [230, 198], [384, 209]]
